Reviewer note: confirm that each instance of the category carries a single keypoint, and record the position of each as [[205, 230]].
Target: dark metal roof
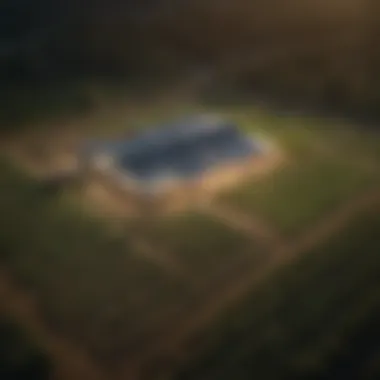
[[181, 149], [160, 135]]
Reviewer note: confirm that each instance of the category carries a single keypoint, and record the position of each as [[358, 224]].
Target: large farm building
[[170, 166]]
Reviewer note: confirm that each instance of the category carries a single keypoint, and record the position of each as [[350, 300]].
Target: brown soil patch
[[43, 157], [98, 198]]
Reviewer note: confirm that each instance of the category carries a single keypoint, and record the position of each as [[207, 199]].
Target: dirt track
[[163, 260], [250, 225]]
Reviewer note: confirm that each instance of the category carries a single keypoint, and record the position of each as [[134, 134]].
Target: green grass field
[[309, 321], [99, 289], [94, 287]]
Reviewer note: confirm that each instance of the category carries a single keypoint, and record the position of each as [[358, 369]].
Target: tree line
[[325, 52]]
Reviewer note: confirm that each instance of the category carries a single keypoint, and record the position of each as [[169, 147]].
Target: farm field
[[104, 291], [201, 244], [138, 296], [315, 319]]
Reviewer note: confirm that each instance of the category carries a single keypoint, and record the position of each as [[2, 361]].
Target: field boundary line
[[155, 255], [250, 225]]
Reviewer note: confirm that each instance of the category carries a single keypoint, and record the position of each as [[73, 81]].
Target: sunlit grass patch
[[301, 193]]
